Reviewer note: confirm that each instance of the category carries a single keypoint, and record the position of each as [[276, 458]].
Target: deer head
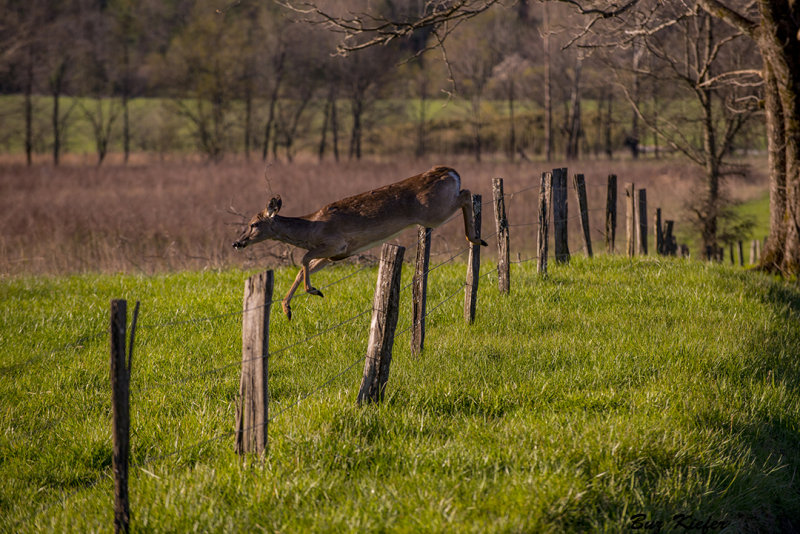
[[260, 227]]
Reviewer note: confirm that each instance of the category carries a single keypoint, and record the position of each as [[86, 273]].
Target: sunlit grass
[[609, 389]]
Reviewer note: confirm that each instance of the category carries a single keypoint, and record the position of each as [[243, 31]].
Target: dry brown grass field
[[164, 215]]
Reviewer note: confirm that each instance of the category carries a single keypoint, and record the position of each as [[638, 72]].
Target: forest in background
[[258, 80], [255, 79]]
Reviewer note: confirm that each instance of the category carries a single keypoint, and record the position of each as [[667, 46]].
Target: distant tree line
[[258, 79]]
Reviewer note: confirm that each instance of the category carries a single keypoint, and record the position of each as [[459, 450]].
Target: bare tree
[[473, 59], [202, 63], [366, 27], [774, 27], [694, 55]]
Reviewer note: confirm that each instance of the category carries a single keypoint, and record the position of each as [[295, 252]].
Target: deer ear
[[274, 206]]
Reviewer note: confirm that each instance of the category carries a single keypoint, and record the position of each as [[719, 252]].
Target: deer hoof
[[484, 243], [287, 310], [314, 291]]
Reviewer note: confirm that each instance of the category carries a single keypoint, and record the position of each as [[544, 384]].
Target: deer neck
[[294, 230]]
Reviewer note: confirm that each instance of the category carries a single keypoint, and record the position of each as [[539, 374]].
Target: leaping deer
[[356, 223]]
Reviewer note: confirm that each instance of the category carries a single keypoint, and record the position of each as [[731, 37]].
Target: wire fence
[[141, 463]]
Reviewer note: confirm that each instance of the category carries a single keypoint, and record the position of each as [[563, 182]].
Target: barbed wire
[[78, 343], [105, 473]]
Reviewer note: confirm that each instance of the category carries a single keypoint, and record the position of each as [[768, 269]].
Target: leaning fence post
[[641, 216], [385, 309], [501, 227], [419, 289], [630, 228], [580, 191], [473, 266], [252, 410], [560, 215], [120, 409], [544, 221], [611, 213]]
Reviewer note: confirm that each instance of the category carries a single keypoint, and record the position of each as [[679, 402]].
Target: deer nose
[[238, 245]]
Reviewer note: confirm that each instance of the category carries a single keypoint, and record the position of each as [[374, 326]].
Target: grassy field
[[610, 394]]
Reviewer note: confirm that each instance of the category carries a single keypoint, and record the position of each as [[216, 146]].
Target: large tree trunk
[[772, 257], [778, 42]]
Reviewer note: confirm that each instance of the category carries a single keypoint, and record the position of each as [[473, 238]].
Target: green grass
[[610, 389], [758, 209]]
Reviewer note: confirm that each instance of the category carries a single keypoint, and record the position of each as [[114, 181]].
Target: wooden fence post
[[385, 309], [544, 220], [560, 215], [641, 216], [419, 290], [580, 190], [630, 220], [252, 410], [741, 254], [611, 213], [754, 251], [658, 233], [120, 409], [670, 243], [501, 227], [473, 266]]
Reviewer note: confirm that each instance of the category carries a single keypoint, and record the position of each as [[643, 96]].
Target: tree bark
[[772, 257]]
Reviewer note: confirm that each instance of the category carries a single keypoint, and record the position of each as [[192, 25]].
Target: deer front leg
[[465, 200], [308, 267]]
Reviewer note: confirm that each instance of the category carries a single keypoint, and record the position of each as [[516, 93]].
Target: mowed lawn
[[613, 394]]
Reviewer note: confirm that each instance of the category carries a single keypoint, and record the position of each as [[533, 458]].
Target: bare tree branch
[[717, 9], [365, 29]]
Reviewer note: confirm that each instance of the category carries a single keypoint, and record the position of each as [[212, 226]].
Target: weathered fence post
[[641, 216], [545, 189], [252, 410], [611, 213], [754, 251], [501, 227], [580, 191], [419, 290], [560, 217], [120, 409], [630, 220], [473, 266], [670, 243], [385, 309], [658, 233], [741, 254]]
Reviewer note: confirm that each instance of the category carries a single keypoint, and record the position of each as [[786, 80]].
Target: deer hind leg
[[465, 201], [309, 267]]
